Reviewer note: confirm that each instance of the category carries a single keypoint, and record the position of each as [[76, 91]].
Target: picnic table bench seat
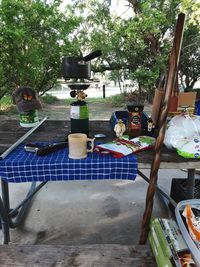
[[103, 255]]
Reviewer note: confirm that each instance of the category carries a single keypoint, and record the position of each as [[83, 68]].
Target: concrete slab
[[87, 212]]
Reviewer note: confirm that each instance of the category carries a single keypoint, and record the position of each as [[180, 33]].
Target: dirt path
[[61, 111]]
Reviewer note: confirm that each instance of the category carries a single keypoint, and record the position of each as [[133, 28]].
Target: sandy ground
[[87, 212], [61, 111]]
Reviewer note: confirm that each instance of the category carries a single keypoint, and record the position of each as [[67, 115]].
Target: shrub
[[6, 104], [49, 99], [116, 100]]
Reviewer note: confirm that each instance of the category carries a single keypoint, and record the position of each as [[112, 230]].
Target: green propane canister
[[79, 117]]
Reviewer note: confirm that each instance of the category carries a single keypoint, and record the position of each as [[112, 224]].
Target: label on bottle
[[79, 112], [134, 124], [136, 119]]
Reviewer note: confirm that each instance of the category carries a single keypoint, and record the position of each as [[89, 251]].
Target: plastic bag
[[180, 128], [189, 147]]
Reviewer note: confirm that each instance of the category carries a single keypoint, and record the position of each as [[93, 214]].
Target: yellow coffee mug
[[77, 143]]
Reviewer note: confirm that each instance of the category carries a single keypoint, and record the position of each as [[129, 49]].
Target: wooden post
[[170, 82], [104, 91], [157, 100]]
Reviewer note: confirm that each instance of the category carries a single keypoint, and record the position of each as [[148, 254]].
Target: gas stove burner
[[79, 80], [78, 86]]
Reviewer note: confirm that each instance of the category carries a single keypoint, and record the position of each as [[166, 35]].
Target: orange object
[[192, 229], [173, 104]]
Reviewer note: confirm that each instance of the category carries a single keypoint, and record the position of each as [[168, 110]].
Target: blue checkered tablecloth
[[21, 166]]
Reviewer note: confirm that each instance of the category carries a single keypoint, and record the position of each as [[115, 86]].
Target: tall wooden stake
[[169, 85]]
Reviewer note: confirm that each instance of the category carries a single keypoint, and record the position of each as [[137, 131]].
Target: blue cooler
[[120, 114], [197, 107]]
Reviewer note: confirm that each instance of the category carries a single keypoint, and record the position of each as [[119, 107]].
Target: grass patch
[[88, 100], [49, 99], [6, 105], [114, 101], [5, 102], [119, 100]]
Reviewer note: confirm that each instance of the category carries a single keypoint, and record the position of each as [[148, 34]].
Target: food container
[[29, 118], [195, 203]]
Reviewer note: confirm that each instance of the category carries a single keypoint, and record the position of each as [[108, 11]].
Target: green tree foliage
[[138, 47], [34, 36], [190, 57]]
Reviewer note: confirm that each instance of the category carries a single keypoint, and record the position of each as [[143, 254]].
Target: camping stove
[[77, 73], [79, 114]]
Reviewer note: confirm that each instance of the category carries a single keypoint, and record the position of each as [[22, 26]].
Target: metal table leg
[[191, 183], [4, 223], [24, 205], [5, 195], [164, 195], [6, 213]]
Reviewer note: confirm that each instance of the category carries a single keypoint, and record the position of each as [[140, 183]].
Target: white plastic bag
[[180, 128]]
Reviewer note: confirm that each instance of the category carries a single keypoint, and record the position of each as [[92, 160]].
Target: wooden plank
[[168, 160], [103, 255], [170, 82]]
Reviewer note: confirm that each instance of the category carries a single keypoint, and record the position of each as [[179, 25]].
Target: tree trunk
[[119, 82], [140, 89]]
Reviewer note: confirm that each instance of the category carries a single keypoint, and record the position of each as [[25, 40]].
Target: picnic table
[[154, 161], [49, 130]]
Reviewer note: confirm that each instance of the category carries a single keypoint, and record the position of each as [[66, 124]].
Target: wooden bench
[[103, 255]]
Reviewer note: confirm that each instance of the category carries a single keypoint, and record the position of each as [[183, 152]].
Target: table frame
[[19, 212], [11, 218]]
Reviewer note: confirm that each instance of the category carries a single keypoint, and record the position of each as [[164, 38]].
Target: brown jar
[[134, 119]]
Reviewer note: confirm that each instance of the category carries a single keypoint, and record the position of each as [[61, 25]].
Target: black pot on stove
[[78, 67]]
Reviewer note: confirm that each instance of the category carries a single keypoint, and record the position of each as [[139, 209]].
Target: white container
[[195, 203]]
